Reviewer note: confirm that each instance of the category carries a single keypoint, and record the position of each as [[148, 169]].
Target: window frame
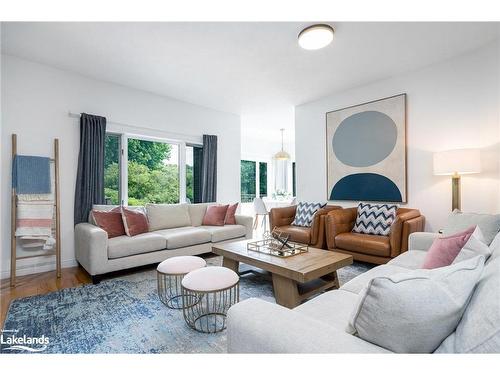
[[123, 160], [257, 162]]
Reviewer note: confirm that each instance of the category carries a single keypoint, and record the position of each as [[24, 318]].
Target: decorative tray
[[277, 243]]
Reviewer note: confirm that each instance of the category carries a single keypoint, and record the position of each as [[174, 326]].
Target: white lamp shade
[[464, 161]]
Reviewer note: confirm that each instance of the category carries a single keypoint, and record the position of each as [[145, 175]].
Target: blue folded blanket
[[31, 175]]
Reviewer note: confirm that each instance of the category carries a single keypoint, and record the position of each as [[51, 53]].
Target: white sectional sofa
[[174, 230], [319, 325]]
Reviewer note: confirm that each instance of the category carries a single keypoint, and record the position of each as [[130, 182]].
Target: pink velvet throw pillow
[[444, 250], [231, 211], [134, 221], [110, 221], [215, 215]]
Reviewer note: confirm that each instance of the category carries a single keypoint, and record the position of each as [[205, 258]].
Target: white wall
[[454, 104], [35, 104], [261, 139]]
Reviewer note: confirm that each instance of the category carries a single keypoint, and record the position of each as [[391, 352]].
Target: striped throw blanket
[[35, 214]]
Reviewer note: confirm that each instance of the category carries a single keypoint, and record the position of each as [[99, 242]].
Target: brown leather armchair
[[314, 236], [367, 247]]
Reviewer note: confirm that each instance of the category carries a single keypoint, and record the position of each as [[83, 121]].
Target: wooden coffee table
[[295, 278]]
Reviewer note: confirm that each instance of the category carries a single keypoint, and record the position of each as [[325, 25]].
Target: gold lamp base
[[455, 193]]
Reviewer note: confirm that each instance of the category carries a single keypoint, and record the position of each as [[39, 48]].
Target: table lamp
[[456, 163]]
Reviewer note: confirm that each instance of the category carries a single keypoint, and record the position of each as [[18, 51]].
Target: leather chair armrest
[[281, 216], [398, 239], [416, 224], [339, 221], [318, 226]]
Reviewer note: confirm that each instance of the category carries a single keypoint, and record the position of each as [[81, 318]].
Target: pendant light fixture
[[282, 155]]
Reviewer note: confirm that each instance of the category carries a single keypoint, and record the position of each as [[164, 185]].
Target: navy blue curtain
[[90, 174], [209, 169]]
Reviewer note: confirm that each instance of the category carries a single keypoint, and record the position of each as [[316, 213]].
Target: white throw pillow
[[476, 245], [165, 216], [414, 312]]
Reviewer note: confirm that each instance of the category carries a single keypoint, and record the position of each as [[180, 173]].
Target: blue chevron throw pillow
[[375, 218], [305, 213]]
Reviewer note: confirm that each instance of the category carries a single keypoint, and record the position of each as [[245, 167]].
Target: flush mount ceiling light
[[316, 36]]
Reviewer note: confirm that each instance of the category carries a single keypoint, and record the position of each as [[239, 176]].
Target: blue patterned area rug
[[124, 315]]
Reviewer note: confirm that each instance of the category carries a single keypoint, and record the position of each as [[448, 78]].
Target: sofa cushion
[[297, 234], [165, 216], [196, 212], [364, 243], [494, 248], [357, 284], [185, 236], [459, 221], [411, 259], [479, 329], [124, 246], [333, 308], [414, 312], [226, 232]]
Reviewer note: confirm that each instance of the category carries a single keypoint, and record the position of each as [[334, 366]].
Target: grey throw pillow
[[414, 312], [459, 221]]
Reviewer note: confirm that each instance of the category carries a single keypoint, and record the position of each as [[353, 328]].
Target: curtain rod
[[173, 135]]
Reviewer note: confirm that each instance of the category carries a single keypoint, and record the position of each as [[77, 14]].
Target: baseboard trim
[[38, 268]]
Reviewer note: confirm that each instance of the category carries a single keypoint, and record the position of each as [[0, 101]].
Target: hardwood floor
[[40, 283]]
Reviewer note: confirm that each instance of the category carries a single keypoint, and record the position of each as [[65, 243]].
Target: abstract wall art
[[366, 151]]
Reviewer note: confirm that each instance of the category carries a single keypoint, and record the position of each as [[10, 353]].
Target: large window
[[248, 182], [140, 171], [253, 180], [112, 169], [153, 172], [263, 179]]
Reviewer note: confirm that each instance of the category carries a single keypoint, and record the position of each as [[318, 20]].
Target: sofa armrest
[[318, 226], [257, 326], [247, 222], [91, 247], [281, 216], [421, 240], [339, 221], [396, 236]]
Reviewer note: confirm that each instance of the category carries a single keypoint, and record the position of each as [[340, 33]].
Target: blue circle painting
[[365, 138]]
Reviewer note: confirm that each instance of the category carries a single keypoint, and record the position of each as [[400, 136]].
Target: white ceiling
[[243, 68]]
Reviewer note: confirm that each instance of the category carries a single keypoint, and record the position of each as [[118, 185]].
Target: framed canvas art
[[366, 151]]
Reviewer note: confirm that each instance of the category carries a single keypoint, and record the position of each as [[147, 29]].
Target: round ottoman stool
[[169, 275], [217, 289]]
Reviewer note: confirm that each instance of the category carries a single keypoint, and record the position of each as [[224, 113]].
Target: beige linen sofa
[[319, 325], [175, 229]]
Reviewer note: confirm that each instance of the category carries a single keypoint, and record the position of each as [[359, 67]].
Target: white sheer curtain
[[281, 168]]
